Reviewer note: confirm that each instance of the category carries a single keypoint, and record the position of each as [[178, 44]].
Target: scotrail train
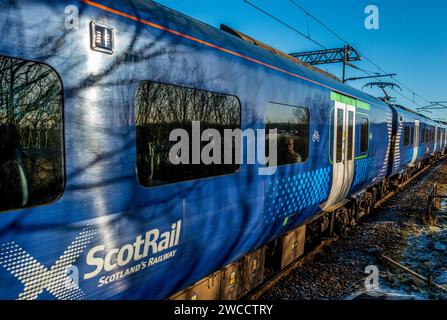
[[91, 207]]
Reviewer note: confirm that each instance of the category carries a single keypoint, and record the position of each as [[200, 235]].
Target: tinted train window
[[339, 150], [292, 125], [31, 138], [364, 135], [162, 108], [406, 136], [350, 135]]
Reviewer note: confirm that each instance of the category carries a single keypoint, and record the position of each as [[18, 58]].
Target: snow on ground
[[398, 231]]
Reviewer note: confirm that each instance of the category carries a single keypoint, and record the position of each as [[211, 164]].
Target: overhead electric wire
[[369, 73], [399, 93], [317, 20], [360, 53], [284, 24]]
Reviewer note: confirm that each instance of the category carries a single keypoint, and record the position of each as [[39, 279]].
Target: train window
[[31, 134], [163, 108], [364, 135], [350, 135], [339, 151], [292, 125], [411, 136], [406, 136]]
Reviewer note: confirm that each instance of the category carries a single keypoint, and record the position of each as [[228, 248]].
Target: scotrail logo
[[61, 279], [36, 278], [159, 246]]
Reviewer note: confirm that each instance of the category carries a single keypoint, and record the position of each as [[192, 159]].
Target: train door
[[416, 142], [444, 145], [443, 140], [343, 153], [435, 148]]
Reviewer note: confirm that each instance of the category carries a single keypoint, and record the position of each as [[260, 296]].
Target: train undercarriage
[[242, 277]]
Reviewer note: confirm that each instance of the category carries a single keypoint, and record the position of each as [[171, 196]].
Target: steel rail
[[257, 292]]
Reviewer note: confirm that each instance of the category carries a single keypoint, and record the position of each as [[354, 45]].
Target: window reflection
[[161, 108], [292, 125], [31, 163], [364, 135]]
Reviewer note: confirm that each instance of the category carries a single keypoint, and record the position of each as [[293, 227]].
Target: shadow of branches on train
[[50, 44], [89, 130], [100, 118]]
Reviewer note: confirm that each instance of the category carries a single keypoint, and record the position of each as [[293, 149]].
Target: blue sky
[[411, 41]]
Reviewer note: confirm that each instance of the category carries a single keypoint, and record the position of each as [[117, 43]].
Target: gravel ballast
[[396, 230]]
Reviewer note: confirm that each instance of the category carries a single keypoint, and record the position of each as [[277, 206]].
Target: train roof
[[177, 24], [405, 109], [204, 34], [417, 115]]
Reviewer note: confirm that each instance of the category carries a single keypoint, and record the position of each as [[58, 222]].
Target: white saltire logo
[[36, 277]]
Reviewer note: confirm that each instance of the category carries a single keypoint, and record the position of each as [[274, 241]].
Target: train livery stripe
[[350, 101], [211, 45]]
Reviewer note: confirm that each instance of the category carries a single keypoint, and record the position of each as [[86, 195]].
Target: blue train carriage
[[91, 208], [427, 139], [407, 154], [443, 138], [418, 141], [440, 139], [100, 213]]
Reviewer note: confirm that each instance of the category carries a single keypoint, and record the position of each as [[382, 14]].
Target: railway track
[[258, 292], [326, 242]]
